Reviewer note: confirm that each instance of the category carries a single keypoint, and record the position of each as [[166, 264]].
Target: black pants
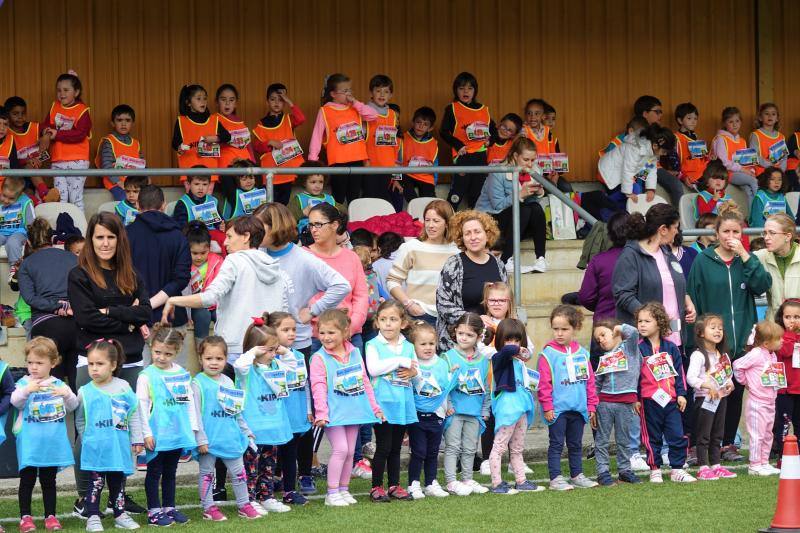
[[708, 429], [347, 187], [376, 186], [47, 480], [733, 413], [287, 457], [417, 189], [388, 440], [487, 438], [563, 185], [467, 186], [62, 330], [532, 223], [161, 468], [281, 193], [789, 405], [675, 189], [424, 438], [116, 492]]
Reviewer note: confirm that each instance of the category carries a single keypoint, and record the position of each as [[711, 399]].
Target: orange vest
[[765, 142], [120, 150], [191, 132], [64, 118], [792, 163], [6, 145], [545, 145], [283, 132], [237, 148], [26, 143], [472, 127], [731, 147], [382, 140], [420, 153], [496, 153], [691, 168], [344, 135]]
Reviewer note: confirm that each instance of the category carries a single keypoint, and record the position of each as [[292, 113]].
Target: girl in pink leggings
[[343, 400]]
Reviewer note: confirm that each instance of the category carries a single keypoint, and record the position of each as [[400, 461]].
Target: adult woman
[[496, 199], [417, 267], [43, 286], [249, 283], [596, 292], [725, 280], [781, 260], [464, 275]]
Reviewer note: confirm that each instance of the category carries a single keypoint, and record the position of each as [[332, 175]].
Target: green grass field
[[742, 504]]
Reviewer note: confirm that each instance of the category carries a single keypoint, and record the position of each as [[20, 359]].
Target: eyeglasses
[[773, 233], [496, 301], [317, 225]]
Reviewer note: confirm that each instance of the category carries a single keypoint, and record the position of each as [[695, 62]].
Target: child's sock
[[334, 490], [344, 489], [167, 509], [151, 512]]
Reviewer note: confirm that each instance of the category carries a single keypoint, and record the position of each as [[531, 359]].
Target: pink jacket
[[748, 370], [347, 263], [315, 146], [319, 384], [546, 378]]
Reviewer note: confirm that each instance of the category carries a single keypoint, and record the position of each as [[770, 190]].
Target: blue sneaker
[[504, 488], [159, 519], [605, 479], [294, 498], [307, 485], [528, 486], [626, 476], [177, 516]]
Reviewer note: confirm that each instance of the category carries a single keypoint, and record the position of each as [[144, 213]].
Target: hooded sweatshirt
[[556, 392], [249, 283]]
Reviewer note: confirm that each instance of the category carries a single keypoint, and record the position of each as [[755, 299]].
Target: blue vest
[[106, 440], [507, 406], [126, 212], [14, 217], [246, 203], [306, 200], [265, 392], [4, 417], [772, 203], [347, 398], [169, 410], [220, 407], [707, 196], [394, 395], [567, 396], [205, 212], [432, 385], [470, 383], [297, 382], [41, 430]]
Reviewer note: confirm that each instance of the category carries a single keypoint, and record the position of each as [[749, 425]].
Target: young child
[[617, 383], [197, 135], [8, 152], [468, 405], [761, 373], [392, 363], [119, 149], [128, 208], [512, 404], [42, 403], [166, 406], [222, 433], [507, 130], [110, 427], [706, 221], [388, 243], [68, 128], [787, 405], [692, 153], [731, 148], [339, 129], [767, 141], [420, 149], [239, 146], [343, 400], [770, 198], [205, 267], [74, 244], [376, 293], [275, 142], [712, 187], [26, 144], [549, 117], [541, 136], [240, 194], [662, 393], [382, 137], [199, 204], [568, 397], [432, 385], [16, 212], [467, 127], [313, 193], [266, 389], [709, 374]]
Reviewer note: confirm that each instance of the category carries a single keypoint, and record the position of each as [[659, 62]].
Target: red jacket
[[785, 357]]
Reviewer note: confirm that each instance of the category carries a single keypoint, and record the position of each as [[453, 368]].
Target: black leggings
[[161, 468], [376, 186], [116, 492], [789, 405], [487, 438], [287, 457], [467, 186], [734, 413], [347, 187], [62, 330], [47, 480], [531, 223], [417, 189], [388, 440]]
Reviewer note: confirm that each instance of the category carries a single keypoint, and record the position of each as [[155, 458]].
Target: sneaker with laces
[[159, 519], [582, 482], [638, 464], [691, 457], [458, 488], [51, 523], [319, 471], [771, 470], [605, 479], [724, 473], [679, 475], [731, 454], [334, 499], [706, 473], [362, 469], [274, 506], [79, 509], [347, 497], [307, 486], [177, 516], [94, 524], [504, 488], [215, 515], [26, 524], [378, 495], [656, 477], [757, 470], [294, 498], [524, 269], [416, 491], [259, 509], [560, 483], [131, 507], [248, 512], [485, 469], [475, 487], [528, 486], [124, 521], [397, 492], [540, 265], [626, 476], [435, 490]]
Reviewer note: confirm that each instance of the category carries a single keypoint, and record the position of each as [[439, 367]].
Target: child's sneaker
[[679, 475], [307, 486], [605, 479], [399, 493], [248, 511], [124, 521], [259, 509], [334, 499], [378, 495], [638, 464], [416, 491], [656, 477], [731, 454], [504, 488], [141, 463], [220, 495], [159, 519], [771, 470], [528, 486], [294, 498], [94, 524], [436, 490], [485, 469], [177, 516], [26, 524], [626, 476], [215, 515], [362, 469], [51, 523], [756, 470], [560, 483], [458, 488], [583, 482], [475, 487], [274, 506], [368, 450], [706, 473], [347, 497], [724, 473]]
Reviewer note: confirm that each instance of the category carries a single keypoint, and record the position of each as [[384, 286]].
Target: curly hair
[[459, 219], [659, 313], [573, 315]]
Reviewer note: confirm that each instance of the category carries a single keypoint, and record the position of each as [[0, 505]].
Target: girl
[[166, 404], [761, 373], [266, 389], [468, 407], [663, 393], [512, 404], [730, 148], [767, 141], [343, 400], [205, 267], [106, 448], [239, 146], [68, 127], [313, 193], [787, 405], [770, 198], [709, 374], [339, 128], [566, 403], [41, 403], [432, 385], [540, 135], [222, 433], [712, 190], [240, 194], [392, 363]]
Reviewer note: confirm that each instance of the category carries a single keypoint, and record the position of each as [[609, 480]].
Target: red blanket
[[400, 223]]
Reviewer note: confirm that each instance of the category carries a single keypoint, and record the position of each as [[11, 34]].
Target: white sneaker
[[476, 487], [665, 458], [274, 506], [259, 508], [335, 500], [656, 476], [347, 497], [485, 470], [436, 490], [527, 469], [416, 491], [524, 269], [771, 469], [540, 265], [459, 489], [638, 464], [679, 475], [94, 524], [758, 470], [124, 521]]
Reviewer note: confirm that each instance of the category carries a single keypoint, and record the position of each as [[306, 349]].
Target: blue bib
[[106, 441], [206, 212], [297, 383], [507, 406], [347, 399], [470, 383], [169, 411], [264, 404], [246, 202], [394, 395], [220, 405], [13, 218], [432, 385], [307, 200], [126, 212], [569, 390], [41, 430], [772, 203]]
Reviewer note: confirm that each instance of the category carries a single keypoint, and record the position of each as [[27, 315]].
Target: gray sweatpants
[[620, 417], [460, 440], [748, 183], [205, 483]]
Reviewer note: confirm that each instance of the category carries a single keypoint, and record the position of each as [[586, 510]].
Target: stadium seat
[[364, 208], [170, 208], [109, 207], [417, 205], [642, 205], [686, 210], [51, 210], [793, 201]]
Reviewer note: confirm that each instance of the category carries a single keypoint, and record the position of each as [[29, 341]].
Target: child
[[712, 187], [388, 243], [74, 244], [709, 374], [568, 397], [205, 267], [16, 211], [432, 385], [68, 127], [507, 130], [239, 146], [26, 144], [266, 389], [770, 198], [222, 433], [692, 153], [343, 400], [275, 141], [376, 293], [392, 363], [119, 150], [339, 129], [662, 393], [761, 373], [617, 382], [767, 141], [706, 221], [468, 405], [106, 448], [467, 127], [730, 148], [168, 413], [199, 204], [512, 404], [420, 149], [128, 208], [549, 116], [542, 138], [382, 137], [240, 194], [8, 152], [41, 403], [197, 134], [313, 186], [787, 405]]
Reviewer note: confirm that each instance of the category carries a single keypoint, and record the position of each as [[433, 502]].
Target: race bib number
[[289, 150], [710, 405], [778, 151], [197, 278], [661, 397], [130, 216], [697, 149], [477, 131], [531, 379], [250, 200], [206, 213], [240, 138], [276, 381], [427, 385], [396, 380], [5, 162], [349, 132], [722, 371], [615, 361], [125, 161], [661, 366], [119, 413], [63, 122], [47, 407], [419, 161], [296, 374], [205, 149], [349, 380], [470, 382], [29, 152], [11, 216], [385, 136], [577, 368], [796, 355], [774, 376], [178, 387], [231, 400], [772, 207], [745, 157]]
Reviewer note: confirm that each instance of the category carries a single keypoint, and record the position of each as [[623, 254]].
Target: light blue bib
[[507, 406], [297, 382], [220, 406], [169, 411], [41, 430], [393, 394], [348, 403], [106, 440], [432, 385], [265, 395]]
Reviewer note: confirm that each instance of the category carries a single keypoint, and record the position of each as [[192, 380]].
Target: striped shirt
[[418, 266]]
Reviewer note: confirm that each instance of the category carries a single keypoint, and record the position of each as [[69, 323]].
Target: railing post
[[517, 237], [270, 192]]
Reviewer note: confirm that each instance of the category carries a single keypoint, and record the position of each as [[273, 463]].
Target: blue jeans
[[15, 245], [202, 319], [568, 426]]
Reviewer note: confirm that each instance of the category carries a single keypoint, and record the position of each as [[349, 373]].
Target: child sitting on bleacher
[[705, 221], [128, 208], [16, 210], [692, 152], [313, 186], [770, 198], [712, 187]]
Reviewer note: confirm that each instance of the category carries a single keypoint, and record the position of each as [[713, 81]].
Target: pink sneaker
[[26, 524], [214, 514], [51, 523], [707, 474], [249, 512], [724, 473]]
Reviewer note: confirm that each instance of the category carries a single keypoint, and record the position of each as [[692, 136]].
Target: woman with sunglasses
[[781, 260]]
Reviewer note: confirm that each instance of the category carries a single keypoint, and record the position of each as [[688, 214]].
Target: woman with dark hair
[[596, 292]]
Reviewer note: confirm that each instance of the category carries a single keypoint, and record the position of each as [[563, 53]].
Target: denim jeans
[[618, 417], [202, 319]]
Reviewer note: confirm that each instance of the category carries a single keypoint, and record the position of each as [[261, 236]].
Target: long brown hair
[[121, 262]]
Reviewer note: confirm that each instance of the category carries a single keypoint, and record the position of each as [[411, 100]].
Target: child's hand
[[210, 139], [306, 210], [222, 226], [407, 373], [649, 195], [633, 198], [350, 98], [310, 418], [593, 419], [285, 98], [450, 412], [550, 415], [321, 423], [681, 403], [553, 177], [33, 386], [380, 416], [487, 321], [202, 449], [62, 391], [637, 408], [261, 351], [486, 418], [396, 187], [275, 144], [524, 354], [461, 151], [137, 449], [282, 350], [150, 443]]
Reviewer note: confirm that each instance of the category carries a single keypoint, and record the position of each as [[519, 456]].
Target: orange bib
[[420, 154], [291, 155], [765, 142], [237, 148], [731, 147], [6, 145], [382, 141], [496, 153], [191, 132], [545, 145], [126, 156], [472, 127], [65, 118], [691, 168], [344, 135], [26, 143], [791, 164]]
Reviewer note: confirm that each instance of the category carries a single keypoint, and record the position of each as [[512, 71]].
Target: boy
[[8, 155], [420, 149], [507, 129], [706, 221], [128, 208], [198, 204], [382, 145], [26, 143], [16, 210], [549, 116], [119, 150], [205, 267], [692, 161]]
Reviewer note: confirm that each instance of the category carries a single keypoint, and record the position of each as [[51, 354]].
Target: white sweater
[[619, 166]]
